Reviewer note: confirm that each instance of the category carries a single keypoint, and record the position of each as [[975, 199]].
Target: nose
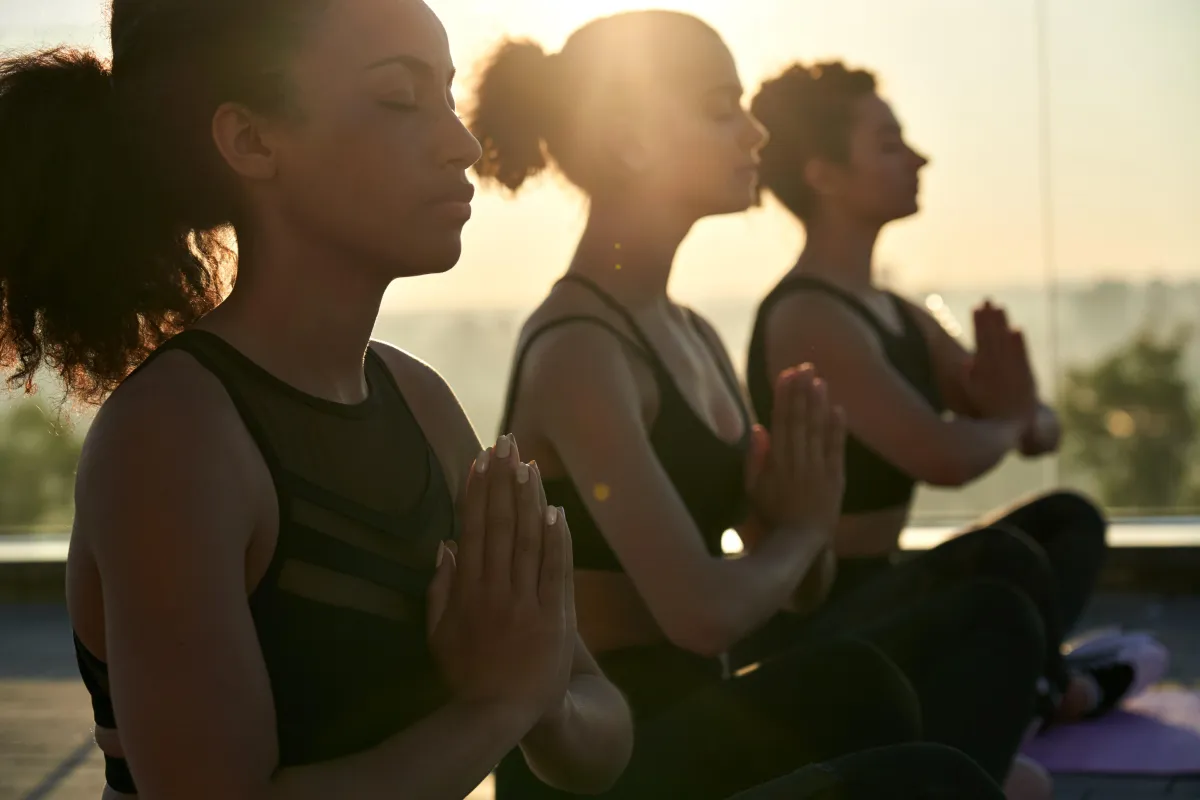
[[459, 148], [920, 158], [756, 134]]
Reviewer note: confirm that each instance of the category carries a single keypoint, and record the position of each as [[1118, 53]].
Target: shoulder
[[161, 449], [818, 318], [417, 379], [175, 405], [436, 408], [573, 343]]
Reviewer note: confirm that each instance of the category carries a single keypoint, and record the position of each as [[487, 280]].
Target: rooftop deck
[[45, 744]]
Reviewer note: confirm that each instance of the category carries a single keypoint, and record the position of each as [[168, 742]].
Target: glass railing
[[1062, 184]]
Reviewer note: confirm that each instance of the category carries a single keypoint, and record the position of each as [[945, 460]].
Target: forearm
[[584, 747], [446, 755], [767, 576], [971, 448], [1043, 433]]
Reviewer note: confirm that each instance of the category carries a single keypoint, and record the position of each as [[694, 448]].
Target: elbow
[[948, 470], [949, 475], [707, 632]]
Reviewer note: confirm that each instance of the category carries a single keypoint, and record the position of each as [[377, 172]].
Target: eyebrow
[[418, 66]]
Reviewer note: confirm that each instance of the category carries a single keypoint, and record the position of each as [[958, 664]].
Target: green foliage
[[38, 459], [1130, 423]]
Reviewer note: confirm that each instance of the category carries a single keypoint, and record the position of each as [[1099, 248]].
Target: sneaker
[[1122, 664]]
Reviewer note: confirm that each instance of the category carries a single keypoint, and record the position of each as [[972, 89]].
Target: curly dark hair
[[809, 112], [116, 204], [526, 99]]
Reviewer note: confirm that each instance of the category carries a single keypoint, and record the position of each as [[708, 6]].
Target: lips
[[455, 202], [459, 193]]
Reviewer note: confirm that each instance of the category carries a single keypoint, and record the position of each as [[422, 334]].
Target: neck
[[629, 248], [840, 250], [303, 313]]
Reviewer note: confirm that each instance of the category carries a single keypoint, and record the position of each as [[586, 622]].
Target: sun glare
[[561, 18]]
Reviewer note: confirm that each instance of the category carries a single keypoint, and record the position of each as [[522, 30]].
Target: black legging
[[1049, 551], [1052, 548], [812, 704], [899, 772]]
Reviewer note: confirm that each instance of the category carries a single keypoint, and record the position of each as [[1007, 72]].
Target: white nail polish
[[522, 473], [551, 516], [481, 463], [503, 447]]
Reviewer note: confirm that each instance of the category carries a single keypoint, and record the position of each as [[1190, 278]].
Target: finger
[[1002, 319], [835, 444], [568, 565], [551, 587], [756, 459], [439, 588], [818, 419], [781, 413], [798, 421], [501, 518], [474, 518], [541, 487], [527, 548]]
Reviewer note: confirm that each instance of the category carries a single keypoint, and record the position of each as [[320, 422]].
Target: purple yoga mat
[[1157, 733]]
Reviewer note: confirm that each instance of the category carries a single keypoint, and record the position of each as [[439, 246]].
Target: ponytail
[[515, 110], [93, 273]]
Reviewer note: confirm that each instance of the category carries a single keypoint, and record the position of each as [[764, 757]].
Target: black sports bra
[[340, 613], [872, 482], [706, 471]]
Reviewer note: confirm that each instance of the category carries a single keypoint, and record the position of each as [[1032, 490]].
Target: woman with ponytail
[[286, 580], [630, 405]]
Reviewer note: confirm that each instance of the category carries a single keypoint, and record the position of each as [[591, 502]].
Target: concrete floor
[[46, 751]]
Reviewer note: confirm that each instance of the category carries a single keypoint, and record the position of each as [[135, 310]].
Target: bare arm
[[191, 691], [882, 409], [589, 407], [584, 746], [950, 360]]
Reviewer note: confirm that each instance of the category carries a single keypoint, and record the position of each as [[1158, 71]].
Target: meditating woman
[[838, 161], [262, 509], [629, 404]]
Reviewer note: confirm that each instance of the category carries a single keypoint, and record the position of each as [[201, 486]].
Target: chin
[[429, 260]]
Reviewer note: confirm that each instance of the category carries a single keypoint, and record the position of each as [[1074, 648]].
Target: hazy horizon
[[1124, 80]]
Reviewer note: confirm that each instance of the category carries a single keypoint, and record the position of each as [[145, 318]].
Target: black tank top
[[706, 471], [340, 612], [872, 482]]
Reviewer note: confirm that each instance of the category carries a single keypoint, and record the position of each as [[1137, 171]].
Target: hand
[[501, 606], [814, 588], [999, 378], [796, 475]]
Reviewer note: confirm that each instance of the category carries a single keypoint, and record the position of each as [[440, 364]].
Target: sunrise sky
[[962, 75]]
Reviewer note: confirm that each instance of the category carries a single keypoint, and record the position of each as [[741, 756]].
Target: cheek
[[702, 153], [354, 172]]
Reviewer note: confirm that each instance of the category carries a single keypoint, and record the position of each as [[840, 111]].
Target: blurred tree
[[38, 460], [1130, 423]]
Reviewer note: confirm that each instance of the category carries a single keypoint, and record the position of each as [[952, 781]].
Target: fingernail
[[440, 555], [503, 447], [522, 473], [451, 547], [551, 515], [481, 462]]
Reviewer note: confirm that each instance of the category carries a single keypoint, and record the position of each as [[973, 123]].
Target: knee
[[876, 685], [1079, 514], [912, 770], [1008, 554], [1003, 612]]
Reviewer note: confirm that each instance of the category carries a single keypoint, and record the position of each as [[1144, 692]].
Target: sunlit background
[[1065, 181]]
